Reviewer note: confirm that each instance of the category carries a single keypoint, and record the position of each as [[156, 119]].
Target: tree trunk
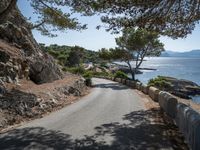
[[132, 71], [4, 14]]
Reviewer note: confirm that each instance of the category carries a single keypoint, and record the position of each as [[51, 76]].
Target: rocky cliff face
[[31, 83], [37, 65]]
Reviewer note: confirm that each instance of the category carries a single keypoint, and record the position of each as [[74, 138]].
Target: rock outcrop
[[31, 83], [38, 65], [179, 87]]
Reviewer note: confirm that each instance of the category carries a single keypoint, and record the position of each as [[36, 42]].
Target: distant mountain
[[192, 53]]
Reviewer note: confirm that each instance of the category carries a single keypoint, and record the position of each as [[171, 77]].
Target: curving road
[[111, 117]]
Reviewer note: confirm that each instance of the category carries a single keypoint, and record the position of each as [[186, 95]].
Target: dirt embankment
[[27, 100]]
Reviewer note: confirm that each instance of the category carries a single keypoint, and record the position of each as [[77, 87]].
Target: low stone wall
[[118, 80], [123, 81], [138, 85], [145, 89], [168, 103], [153, 93], [187, 119], [131, 84]]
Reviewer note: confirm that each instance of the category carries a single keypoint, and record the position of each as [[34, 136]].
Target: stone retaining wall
[[187, 119], [145, 89], [168, 103], [153, 93]]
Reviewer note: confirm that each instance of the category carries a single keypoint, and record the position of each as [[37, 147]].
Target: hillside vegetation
[[65, 54]]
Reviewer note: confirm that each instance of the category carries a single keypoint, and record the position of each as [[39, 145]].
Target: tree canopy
[[174, 18], [134, 45], [50, 16]]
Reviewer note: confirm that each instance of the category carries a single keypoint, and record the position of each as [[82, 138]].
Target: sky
[[94, 39]]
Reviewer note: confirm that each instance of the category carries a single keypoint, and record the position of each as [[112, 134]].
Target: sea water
[[181, 68]]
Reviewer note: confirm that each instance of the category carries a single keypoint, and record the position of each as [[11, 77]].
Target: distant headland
[[192, 53]]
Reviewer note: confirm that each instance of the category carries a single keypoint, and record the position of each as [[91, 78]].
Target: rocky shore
[[178, 87]]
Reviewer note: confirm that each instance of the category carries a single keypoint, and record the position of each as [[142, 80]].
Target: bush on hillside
[[88, 78], [120, 74], [88, 74], [75, 70]]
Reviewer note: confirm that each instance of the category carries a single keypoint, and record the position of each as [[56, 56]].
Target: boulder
[[44, 70], [20, 55], [179, 87]]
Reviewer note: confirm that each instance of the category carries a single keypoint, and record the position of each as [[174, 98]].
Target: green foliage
[[65, 69], [101, 74], [88, 74], [75, 70], [71, 55], [88, 82], [139, 43], [51, 17], [134, 45], [105, 54], [88, 78], [160, 82], [172, 18], [120, 74], [76, 54], [103, 64]]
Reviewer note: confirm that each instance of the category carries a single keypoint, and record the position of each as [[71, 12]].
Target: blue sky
[[96, 39]]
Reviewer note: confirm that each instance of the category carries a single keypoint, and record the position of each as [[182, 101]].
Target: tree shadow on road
[[114, 86], [138, 132]]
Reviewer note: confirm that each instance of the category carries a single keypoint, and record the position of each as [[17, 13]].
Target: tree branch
[[37, 25], [142, 57]]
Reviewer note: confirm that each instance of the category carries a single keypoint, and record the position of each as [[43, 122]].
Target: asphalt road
[[111, 117]]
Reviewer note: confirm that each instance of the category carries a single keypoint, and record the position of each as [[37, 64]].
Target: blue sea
[[178, 67]]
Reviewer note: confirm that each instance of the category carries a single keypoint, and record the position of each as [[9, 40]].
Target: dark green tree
[[175, 18], [75, 56], [134, 45]]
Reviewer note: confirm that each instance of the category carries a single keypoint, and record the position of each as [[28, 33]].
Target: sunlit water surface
[[181, 68]]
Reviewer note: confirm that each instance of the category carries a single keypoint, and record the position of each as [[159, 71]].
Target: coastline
[[178, 67]]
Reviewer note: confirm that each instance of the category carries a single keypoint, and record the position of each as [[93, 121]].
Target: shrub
[[100, 74], [160, 82], [88, 82], [120, 74], [103, 64], [75, 70], [65, 69], [88, 75]]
